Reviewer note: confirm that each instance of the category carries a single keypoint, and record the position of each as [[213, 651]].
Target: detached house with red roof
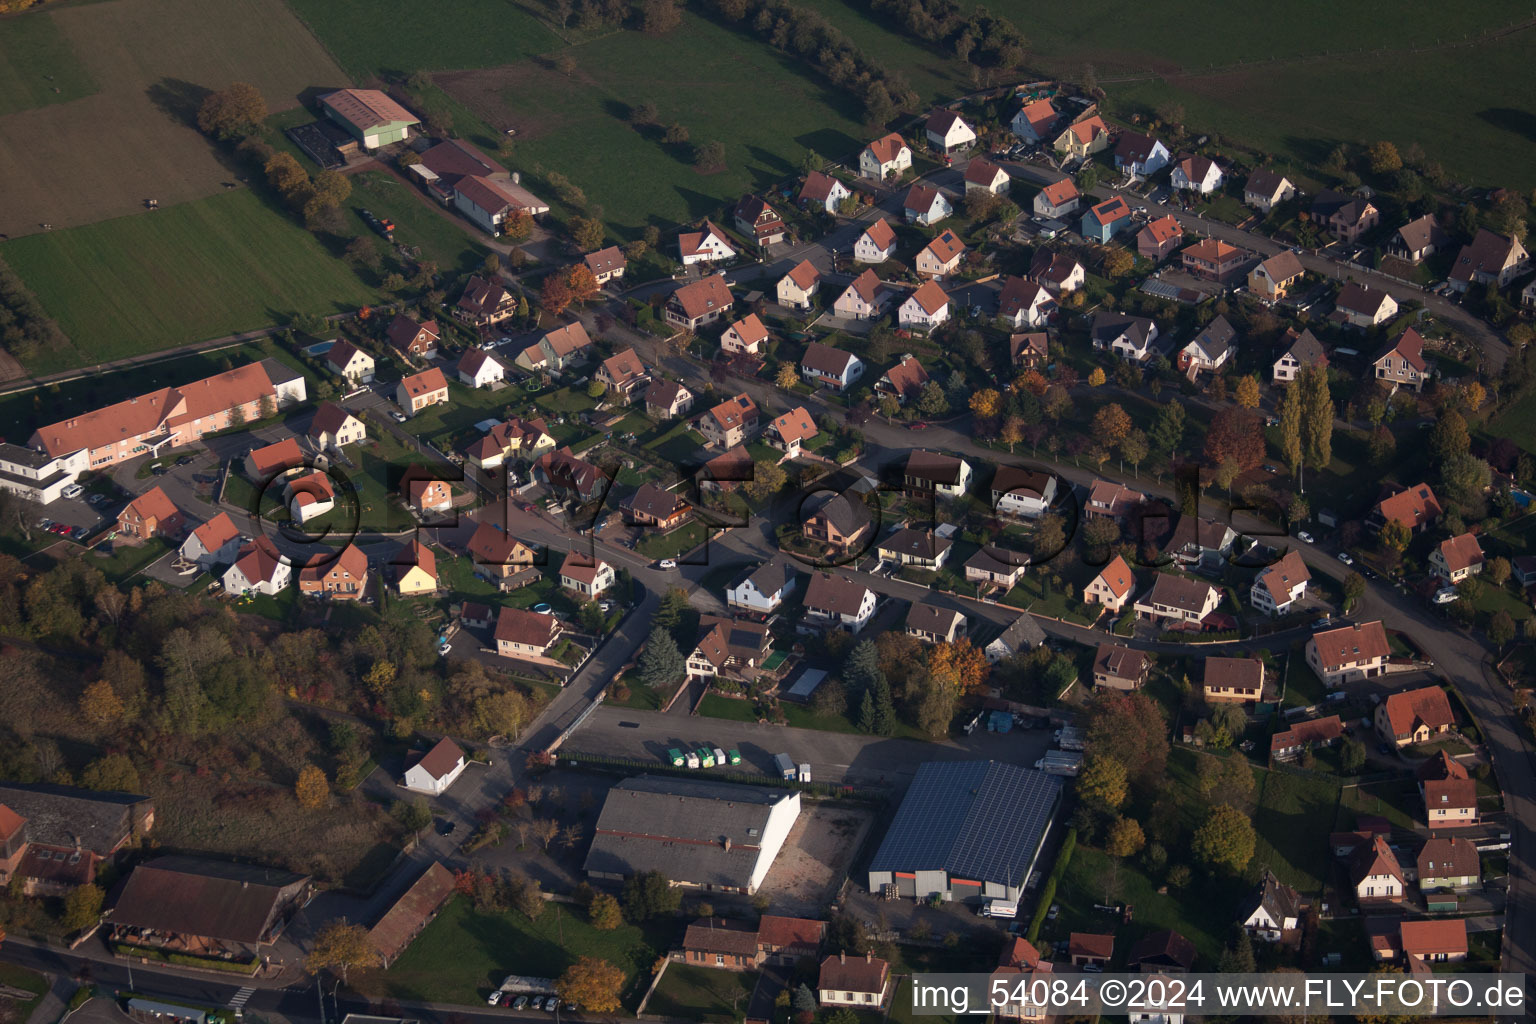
[[438, 769], [698, 303], [1414, 716], [1106, 220], [269, 461], [1348, 653], [1299, 737], [485, 302], [1213, 259], [746, 336], [421, 390], [1197, 174], [708, 245], [823, 192], [348, 361], [1401, 364], [1159, 239], [309, 496], [259, 569], [1056, 200], [151, 514], [885, 158], [941, 256], [340, 577], [214, 543], [1112, 587], [856, 981], [1433, 941], [1414, 507], [791, 430], [1034, 119], [523, 634], [797, 289], [429, 497], [586, 576], [947, 132], [412, 339], [925, 204], [904, 381], [1457, 558], [414, 567], [758, 221], [606, 264], [1278, 587], [623, 375], [1082, 139], [1488, 259], [865, 298], [732, 422], [985, 176], [925, 308], [1450, 795], [877, 244]]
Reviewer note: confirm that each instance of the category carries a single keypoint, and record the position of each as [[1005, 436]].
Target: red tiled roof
[[154, 504], [881, 234], [1117, 576], [705, 295], [795, 425], [930, 298], [1162, 229], [1234, 673], [982, 171], [886, 148], [1413, 507], [804, 275], [776, 931], [216, 532], [1110, 210], [750, 330], [425, 382], [1088, 129], [945, 246], [818, 186], [1091, 944], [1279, 578], [1426, 704], [367, 108], [534, 629], [1453, 857], [404, 920], [1361, 642], [1407, 346], [605, 261], [1059, 192], [1461, 552], [1212, 250], [908, 376], [274, 458], [581, 568], [853, 974], [1431, 938], [402, 330]]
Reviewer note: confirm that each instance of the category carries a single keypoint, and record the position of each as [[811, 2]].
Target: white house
[[925, 308], [933, 471], [746, 336], [309, 496], [1033, 121], [833, 367], [347, 360], [1130, 337], [1023, 303], [437, 769], [586, 576], [824, 191], [488, 202], [797, 289], [259, 569], [215, 542], [1264, 188], [1140, 154], [984, 175], [885, 157], [877, 244], [839, 601], [1197, 174], [36, 475], [864, 299], [947, 132], [1276, 910], [479, 369], [1057, 199], [926, 205], [1278, 587], [1210, 349], [707, 246], [1017, 491], [763, 589], [334, 427]]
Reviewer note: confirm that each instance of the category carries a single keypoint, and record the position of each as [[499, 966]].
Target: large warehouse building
[[716, 836], [966, 830]]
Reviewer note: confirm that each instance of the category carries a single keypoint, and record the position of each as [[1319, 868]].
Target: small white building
[[1197, 174], [1278, 587], [763, 589], [925, 308], [437, 770], [839, 601], [709, 245], [347, 360], [216, 542], [259, 569], [479, 369], [947, 131], [877, 244], [884, 158]]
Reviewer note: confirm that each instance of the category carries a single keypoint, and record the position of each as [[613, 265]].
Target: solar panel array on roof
[[979, 820]]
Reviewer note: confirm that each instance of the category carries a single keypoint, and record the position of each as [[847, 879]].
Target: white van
[[1000, 908]]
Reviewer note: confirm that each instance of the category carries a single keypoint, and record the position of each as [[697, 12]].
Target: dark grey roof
[[1278, 899], [1307, 350], [934, 467], [28, 457], [1264, 181], [1216, 338], [1425, 231], [279, 372], [1019, 480], [1023, 634], [930, 618], [915, 543], [1109, 326], [1162, 949], [681, 827], [849, 515], [979, 820], [986, 559], [215, 899], [768, 578], [64, 816]]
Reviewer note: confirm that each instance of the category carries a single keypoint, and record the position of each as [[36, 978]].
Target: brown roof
[[778, 932], [1427, 705], [848, 514], [1460, 794], [1361, 642], [705, 295], [1162, 229], [907, 376], [425, 382], [1117, 576], [1374, 857], [717, 935], [1421, 233], [1461, 552], [1279, 578], [818, 186], [1440, 766], [1113, 494], [1235, 673], [750, 329], [475, 358], [1264, 182], [1412, 506], [1059, 192], [886, 147], [1052, 266], [691, 242], [1135, 146], [916, 543], [982, 171], [921, 198], [1019, 480], [330, 418], [1441, 858], [340, 353], [482, 295], [804, 275], [581, 568], [623, 367], [867, 287], [455, 157], [653, 500], [934, 467], [881, 234], [1359, 298], [1019, 294], [844, 973], [213, 899], [930, 298], [402, 330], [1282, 266], [1318, 730], [663, 393], [415, 553], [1163, 948], [404, 920], [491, 545], [1037, 342], [441, 759], [795, 425], [1088, 129], [424, 493], [931, 618], [535, 629], [1212, 250], [826, 359], [1410, 346], [1487, 252], [1120, 662], [837, 594], [259, 560], [1091, 944], [945, 246], [605, 261], [367, 108], [941, 121], [1178, 592], [154, 504], [1196, 167], [1431, 938]]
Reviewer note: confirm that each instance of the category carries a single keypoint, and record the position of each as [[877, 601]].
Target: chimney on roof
[[727, 844], [842, 958], [869, 958]]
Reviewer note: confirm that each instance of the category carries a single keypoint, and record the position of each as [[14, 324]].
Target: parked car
[[185, 460], [159, 471], [1304, 536], [520, 1002], [72, 491], [1344, 557], [551, 1004], [494, 999], [397, 415], [1445, 595], [667, 563]]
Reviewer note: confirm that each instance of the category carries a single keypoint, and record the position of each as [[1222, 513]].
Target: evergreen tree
[[861, 669], [1237, 958], [885, 708], [661, 662], [1290, 427], [1168, 429], [867, 713], [1317, 417]]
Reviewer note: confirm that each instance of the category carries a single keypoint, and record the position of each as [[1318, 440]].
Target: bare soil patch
[[809, 868]]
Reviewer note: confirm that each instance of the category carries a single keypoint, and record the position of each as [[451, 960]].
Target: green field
[[690, 992], [1517, 422], [1289, 806], [200, 270], [396, 37], [445, 239], [38, 66]]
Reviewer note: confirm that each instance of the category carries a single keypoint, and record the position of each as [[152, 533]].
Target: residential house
[[885, 158], [1275, 914], [348, 361], [1015, 977], [945, 475], [730, 423], [206, 908], [1233, 679], [718, 942], [1299, 737], [1200, 543], [877, 244], [941, 256], [477, 368], [1213, 259], [1197, 174], [1266, 188], [863, 982], [1300, 351], [1112, 586], [512, 439], [571, 477], [421, 390], [1401, 364], [414, 340], [1352, 652], [284, 458], [498, 554], [923, 549], [485, 302], [369, 116], [1360, 305], [726, 471], [340, 577], [947, 132], [864, 299], [983, 175], [709, 245], [699, 302], [414, 567], [746, 336], [1210, 349], [437, 769], [259, 568], [1130, 337], [1414, 507], [585, 576], [1088, 949], [334, 427], [734, 648], [1111, 499], [429, 497], [839, 601], [623, 375], [1022, 634], [652, 505], [1278, 587], [837, 520], [925, 204], [995, 567], [606, 264], [1029, 351], [1178, 601], [1082, 139], [1414, 716], [1375, 873], [1274, 278], [489, 203], [309, 496], [1158, 239], [1417, 239], [797, 289], [151, 514], [557, 349], [904, 381], [1448, 791], [1488, 259], [824, 192], [1057, 272], [787, 940], [789, 431], [1449, 863], [825, 366], [525, 634], [1017, 491], [1119, 668], [1140, 155], [762, 589], [1057, 200], [758, 221], [925, 308], [1023, 303], [1106, 220], [1433, 941], [1034, 119], [55, 838], [1346, 217], [1161, 952], [216, 542], [667, 399], [1457, 558], [932, 624]]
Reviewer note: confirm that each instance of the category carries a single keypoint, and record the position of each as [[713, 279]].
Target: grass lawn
[[1491, 600], [1287, 844], [1302, 687], [1517, 422], [371, 37], [669, 545], [127, 559], [20, 977], [199, 270], [716, 706], [418, 220], [1398, 801], [38, 66], [463, 953], [690, 992]]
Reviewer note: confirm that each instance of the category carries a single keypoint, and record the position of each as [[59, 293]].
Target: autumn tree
[[1134, 448], [1125, 838], [786, 377], [232, 113], [605, 912], [312, 790], [1118, 262], [1012, 432], [1103, 782], [959, 665], [517, 226], [112, 773], [82, 907], [582, 283], [587, 232], [555, 297], [100, 704], [1246, 394], [1449, 437], [1394, 536], [986, 403], [1224, 840], [1317, 417], [1131, 728], [1110, 424], [1384, 158], [658, 17], [767, 478], [341, 946], [710, 156], [592, 984], [1237, 435]]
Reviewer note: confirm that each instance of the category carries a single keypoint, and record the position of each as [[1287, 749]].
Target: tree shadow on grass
[[1520, 122], [178, 99]]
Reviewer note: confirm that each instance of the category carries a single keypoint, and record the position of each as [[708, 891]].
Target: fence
[[627, 765]]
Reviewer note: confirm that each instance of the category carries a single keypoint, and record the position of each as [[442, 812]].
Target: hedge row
[[1048, 890]]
